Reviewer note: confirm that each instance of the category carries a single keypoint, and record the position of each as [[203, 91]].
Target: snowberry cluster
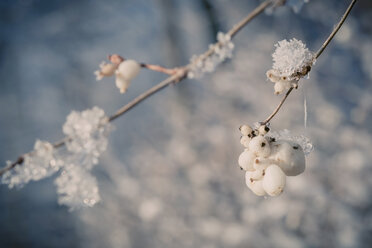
[[124, 70], [292, 61], [200, 64], [268, 161]]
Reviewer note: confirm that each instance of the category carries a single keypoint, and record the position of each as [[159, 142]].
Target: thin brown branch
[[159, 68], [335, 30], [268, 119], [177, 75], [236, 28], [325, 44]]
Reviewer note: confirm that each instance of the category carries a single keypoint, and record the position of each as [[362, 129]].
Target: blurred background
[[170, 176]]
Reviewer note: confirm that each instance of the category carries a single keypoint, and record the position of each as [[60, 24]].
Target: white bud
[[244, 140], [254, 185], [289, 156], [274, 180], [246, 160], [245, 129], [128, 69], [260, 146]]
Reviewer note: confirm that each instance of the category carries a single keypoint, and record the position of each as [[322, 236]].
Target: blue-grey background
[[170, 177]]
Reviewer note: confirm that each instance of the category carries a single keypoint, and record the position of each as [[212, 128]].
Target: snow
[[290, 57], [86, 139], [222, 50]]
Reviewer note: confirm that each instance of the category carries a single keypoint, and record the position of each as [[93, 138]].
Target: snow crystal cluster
[[268, 160], [124, 70], [208, 62], [292, 61], [86, 139], [38, 164]]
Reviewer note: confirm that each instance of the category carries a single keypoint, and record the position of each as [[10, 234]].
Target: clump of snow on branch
[[76, 187], [86, 139], [292, 61], [200, 64], [37, 165], [87, 132], [268, 160]]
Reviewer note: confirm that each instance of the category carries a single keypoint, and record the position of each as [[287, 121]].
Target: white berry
[[274, 180], [263, 129], [260, 146], [246, 160], [244, 140], [126, 71], [245, 129], [129, 69], [279, 87], [122, 83], [254, 185], [289, 156]]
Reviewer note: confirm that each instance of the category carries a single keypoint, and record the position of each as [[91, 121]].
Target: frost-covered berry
[[245, 129], [244, 140], [260, 146], [289, 156], [126, 71], [254, 185], [246, 160], [274, 180]]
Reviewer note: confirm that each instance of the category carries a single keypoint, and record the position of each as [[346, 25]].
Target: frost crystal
[[86, 138], [220, 51], [77, 188], [88, 135], [37, 165], [303, 141], [291, 57]]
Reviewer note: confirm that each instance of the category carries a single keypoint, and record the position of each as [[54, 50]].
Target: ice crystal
[[291, 57], [302, 140], [86, 138], [87, 132], [220, 51], [77, 187], [37, 165]]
